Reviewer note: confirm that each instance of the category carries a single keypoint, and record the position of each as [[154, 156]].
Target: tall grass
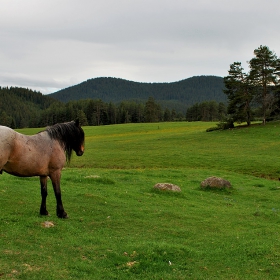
[[121, 228]]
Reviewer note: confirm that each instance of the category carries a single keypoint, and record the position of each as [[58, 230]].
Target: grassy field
[[119, 227]]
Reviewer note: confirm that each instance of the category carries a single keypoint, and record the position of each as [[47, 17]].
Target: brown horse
[[43, 154]]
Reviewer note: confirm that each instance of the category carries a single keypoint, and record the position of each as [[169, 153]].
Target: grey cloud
[[54, 44]]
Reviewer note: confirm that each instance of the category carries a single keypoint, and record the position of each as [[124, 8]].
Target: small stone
[[167, 187], [47, 224]]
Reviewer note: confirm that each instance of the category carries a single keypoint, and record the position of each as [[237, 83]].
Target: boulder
[[215, 182], [167, 187]]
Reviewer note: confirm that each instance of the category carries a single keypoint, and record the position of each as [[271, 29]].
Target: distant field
[[252, 151], [121, 228]]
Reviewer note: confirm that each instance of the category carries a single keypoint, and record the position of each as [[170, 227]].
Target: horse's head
[[70, 135], [79, 144]]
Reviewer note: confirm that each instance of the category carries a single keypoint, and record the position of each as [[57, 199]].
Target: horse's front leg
[[44, 194], [55, 177]]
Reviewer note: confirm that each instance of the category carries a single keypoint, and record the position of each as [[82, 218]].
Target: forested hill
[[109, 101], [176, 95], [21, 107]]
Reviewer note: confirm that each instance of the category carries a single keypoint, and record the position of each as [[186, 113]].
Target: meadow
[[119, 227]]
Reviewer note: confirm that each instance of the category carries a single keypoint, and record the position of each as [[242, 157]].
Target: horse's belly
[[25, 170]]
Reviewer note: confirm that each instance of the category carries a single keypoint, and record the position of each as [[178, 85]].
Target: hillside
[[176, 95], [21, 107]]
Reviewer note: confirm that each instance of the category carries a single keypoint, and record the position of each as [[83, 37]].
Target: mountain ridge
[[173, 95]]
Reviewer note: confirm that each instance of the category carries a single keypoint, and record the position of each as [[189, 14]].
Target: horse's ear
[[77, 122]]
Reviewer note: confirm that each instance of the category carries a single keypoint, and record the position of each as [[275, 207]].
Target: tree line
[[96, 112], [207, 111], [20, 107]]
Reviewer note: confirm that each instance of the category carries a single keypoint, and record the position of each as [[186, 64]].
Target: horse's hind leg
[[44, 194]]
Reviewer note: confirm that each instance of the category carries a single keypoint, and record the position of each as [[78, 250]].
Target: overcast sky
[[48, 45]]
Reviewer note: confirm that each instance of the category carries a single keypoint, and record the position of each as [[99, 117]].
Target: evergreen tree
[[82, 117], [239, 91], [264, 72], [112, 113], [167, 115], [152, 111], [193, 113], [173, 115], [222, 111], [5, 119]]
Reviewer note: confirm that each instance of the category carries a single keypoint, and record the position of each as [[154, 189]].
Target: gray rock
[[215, 182], [167, 187]]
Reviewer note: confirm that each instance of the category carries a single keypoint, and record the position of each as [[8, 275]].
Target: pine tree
[[152, 111], [239, 91], [264, 72]]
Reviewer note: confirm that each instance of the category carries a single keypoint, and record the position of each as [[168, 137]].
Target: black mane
[[70, 135]]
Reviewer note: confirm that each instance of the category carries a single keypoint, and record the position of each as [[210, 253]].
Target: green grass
[[249, 151], [121, 228]]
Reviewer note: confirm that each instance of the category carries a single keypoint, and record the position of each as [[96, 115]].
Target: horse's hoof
[[62, 215], [44, 213]]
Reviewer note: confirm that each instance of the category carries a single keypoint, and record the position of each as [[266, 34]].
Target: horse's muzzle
[[79, 153]]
